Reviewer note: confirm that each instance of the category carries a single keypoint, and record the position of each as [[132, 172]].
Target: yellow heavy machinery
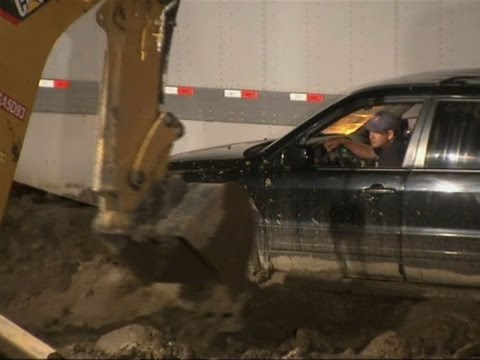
[[165, 229]]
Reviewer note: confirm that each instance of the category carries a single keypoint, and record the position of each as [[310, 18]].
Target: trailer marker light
[[61, 84], [186, 91], [315, 97], [249, 94]]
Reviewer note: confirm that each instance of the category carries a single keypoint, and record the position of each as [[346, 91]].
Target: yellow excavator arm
[[27, 35], [136, 137], [164, 228]]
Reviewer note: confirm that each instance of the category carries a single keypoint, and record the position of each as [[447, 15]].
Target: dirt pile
[[387, 345], [441, 326], [43, 241], [58, 283], [101, 294], [142, 342]]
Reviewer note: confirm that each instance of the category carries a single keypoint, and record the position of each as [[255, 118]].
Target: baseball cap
[[383, 121]]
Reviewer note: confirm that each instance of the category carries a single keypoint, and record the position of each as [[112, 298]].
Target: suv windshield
[[352, 122]]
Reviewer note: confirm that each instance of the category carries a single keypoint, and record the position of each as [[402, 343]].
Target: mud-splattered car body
[[417, 222]]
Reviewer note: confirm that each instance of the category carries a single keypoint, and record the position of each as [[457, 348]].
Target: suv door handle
[[378, 189]]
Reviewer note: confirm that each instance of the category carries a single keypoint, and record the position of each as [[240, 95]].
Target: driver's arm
[[360, 150]]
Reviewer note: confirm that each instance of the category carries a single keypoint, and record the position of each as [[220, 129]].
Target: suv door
[[344, 220], [441, 227]]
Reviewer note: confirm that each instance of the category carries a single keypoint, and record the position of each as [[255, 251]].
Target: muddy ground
[[57, 282]]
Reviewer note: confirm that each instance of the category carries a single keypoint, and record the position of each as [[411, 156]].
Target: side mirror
[[299, 157]]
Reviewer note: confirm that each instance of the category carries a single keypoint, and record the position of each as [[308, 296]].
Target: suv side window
[[352, 126], [454, 141]]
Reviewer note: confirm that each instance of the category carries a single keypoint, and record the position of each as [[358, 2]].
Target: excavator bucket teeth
[[200, 233]]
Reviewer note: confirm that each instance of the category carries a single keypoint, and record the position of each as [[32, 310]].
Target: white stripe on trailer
[[298, 97], [44, 83], [232, 93], [171, 90]]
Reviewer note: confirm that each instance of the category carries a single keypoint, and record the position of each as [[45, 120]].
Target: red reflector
[[186, 91], [61, 84], [249, 94], [315, 97]]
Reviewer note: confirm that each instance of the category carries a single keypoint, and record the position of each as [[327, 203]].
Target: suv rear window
[[454, 141]]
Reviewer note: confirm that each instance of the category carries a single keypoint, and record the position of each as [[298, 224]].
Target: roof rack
[[460, 80]]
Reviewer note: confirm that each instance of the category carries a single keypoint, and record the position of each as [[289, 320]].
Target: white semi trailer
[[243, 70]]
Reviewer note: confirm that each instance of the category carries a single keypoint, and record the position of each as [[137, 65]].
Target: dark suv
[[333, 212]]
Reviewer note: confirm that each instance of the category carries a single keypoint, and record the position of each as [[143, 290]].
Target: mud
[[59, 283]]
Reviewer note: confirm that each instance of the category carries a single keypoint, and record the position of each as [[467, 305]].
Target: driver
[[387, 146]]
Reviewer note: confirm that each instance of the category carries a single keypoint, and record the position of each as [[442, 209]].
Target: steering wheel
[[347, 158], [341, 156]]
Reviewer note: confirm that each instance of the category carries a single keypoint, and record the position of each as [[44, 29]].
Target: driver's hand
[[332, 144]]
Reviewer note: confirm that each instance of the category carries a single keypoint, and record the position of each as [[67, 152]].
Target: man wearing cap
[[385, 137]]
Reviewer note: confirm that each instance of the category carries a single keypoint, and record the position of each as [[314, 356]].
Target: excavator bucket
[[165, 229], [194, 233]]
